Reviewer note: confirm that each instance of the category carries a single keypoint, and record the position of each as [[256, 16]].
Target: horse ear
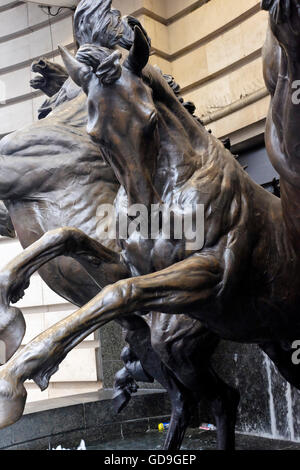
[[76, 70], [139, 53]]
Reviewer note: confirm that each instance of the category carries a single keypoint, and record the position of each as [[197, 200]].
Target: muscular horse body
[[46, 187], [244, 283]]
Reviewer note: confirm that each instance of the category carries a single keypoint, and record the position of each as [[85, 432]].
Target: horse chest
[[149, 246], [147, 256]]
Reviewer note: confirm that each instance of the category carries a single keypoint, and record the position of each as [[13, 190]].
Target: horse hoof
[[121, 398], [12, 331], [12, 402]]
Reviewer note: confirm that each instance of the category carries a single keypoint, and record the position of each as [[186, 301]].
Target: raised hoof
[[12, 402], [121, 400], [18, 291]]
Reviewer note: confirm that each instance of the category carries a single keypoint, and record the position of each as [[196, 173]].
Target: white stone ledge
[[60, 389], [26, 21]]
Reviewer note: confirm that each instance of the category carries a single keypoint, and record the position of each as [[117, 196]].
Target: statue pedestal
[[65, 421]]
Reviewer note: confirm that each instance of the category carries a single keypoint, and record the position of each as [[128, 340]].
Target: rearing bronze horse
[[59, 178], [244, 283]]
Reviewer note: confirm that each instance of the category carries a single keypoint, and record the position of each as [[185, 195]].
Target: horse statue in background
[[50, 78], [53, 175]]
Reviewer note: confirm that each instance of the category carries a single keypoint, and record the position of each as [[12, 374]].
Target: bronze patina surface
[[66, 181], [243, 284]]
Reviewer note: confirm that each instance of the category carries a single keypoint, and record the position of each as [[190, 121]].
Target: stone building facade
[[213, 50]]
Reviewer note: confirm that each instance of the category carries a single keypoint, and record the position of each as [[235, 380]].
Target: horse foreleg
[[103, 265], [94, 257], [224, 403], [207, 387], [184, 286]]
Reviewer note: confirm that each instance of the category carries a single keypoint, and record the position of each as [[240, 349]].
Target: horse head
[[122, 115], [50, 78]]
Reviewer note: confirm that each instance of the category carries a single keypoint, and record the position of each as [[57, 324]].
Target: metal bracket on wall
[[48, 10]]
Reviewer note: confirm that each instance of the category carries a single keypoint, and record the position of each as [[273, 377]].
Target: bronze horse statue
[[60, 178], [200, 290], [243, 284], [50, 78]]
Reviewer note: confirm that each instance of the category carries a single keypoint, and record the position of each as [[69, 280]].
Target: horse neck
[[183, 149], [184, 142]]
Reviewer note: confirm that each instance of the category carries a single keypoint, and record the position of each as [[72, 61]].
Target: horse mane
[[188, 105], [95, 22], [106, 63]]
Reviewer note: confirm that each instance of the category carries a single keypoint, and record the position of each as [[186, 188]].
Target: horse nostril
[[11, 233], [41, 63]]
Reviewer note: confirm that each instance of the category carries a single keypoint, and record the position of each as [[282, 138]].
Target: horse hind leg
[[182, 402], [143, 364], [15, 276], [183, 407], [224, 399], [224, 404], [221, 398], [188, 356], [148, 364]]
